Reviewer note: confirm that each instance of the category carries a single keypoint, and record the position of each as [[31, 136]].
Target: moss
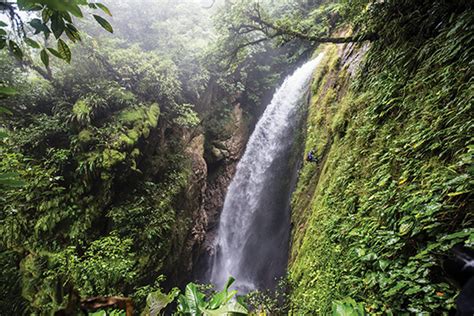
[[342, 116], [130, 116], [139, 120], [153, 114], [133, 134], [135, 153], [111, 157], [390, 193], [126, 140], [146, 131]]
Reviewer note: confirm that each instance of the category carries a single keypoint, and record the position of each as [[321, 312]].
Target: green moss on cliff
[[390, 195]]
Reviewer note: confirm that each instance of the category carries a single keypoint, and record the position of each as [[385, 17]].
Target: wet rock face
[[220, 174], [211, 175], [218, 154], [193, 217], [197, 187]]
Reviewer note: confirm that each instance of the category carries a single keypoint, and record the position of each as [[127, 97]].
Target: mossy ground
[[390, 196]]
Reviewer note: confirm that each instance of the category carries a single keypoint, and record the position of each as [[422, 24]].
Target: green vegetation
[[97, 194], [391, 195], [95, 173], [194, 302], [52, 18]]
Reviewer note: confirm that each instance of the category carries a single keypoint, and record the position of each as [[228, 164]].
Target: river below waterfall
[[254, 228]]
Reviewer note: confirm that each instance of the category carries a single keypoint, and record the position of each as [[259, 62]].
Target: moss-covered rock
[[390, 195]]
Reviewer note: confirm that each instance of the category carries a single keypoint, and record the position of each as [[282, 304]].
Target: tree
[[54, 17], [281, 28], [257, 24]]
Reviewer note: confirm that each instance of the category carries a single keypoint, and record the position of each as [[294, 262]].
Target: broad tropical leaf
[[104, 23], [103, 8], [57, 25], [15, 49], [64, 50], [44, 57], [31, 42], [157, 301], [55, 53], [232, 307]]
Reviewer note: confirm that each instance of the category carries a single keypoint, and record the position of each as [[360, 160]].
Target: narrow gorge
[[217, 157], [253, 235]]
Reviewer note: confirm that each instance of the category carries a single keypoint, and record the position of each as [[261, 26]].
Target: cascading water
[[253, 234]]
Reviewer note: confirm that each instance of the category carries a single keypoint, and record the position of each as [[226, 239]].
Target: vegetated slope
[[390, 195], [115, 152]]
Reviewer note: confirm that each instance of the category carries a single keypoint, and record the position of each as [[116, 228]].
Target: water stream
[[254, 227]]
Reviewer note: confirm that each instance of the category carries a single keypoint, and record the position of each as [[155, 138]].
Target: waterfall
[[254, 227]]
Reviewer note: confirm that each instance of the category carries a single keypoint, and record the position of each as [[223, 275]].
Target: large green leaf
[[28, 5], [44, 57], [183, 305], [71, 6], [7, 91], [39, 26], [103, 8], [31, 42], [194, 299], [103, 22], [15, 49], [46, 15], [57, 25], [72, 33], [232, 307], [222, 297], [229, 282], [55, 53], [66, 16], [157, 301], [75, 10], [64, 50], [347, 307]]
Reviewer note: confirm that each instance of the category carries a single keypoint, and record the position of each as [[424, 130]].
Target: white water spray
[[253, 235]]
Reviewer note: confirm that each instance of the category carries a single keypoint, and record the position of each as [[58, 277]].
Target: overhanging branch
[[271, 30]]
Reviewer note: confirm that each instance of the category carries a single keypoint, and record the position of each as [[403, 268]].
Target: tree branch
[[104, 62], [43, 72], [210, 6], [15, 19], [246, 44], [267, 27]]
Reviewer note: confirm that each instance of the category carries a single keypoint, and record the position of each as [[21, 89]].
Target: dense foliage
[[94, 151], [96, 174], [376, 218]]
